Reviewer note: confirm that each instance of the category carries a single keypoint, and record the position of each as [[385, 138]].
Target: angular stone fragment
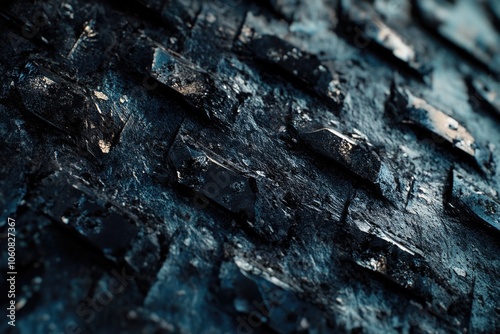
[[483, 92], [52, 99], [392, 253], [354, 156], [199, 88], [390, 261], [96, 221], [298, 64], [413, 276], [62, 105], [473, 204], [91, 48], [211, 178], [368, 26], [254, 294], [105, 226], [451, 20], [213, 33], [144, 256], [417, 111], [304, 66]]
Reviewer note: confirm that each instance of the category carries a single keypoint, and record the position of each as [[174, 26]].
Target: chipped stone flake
[[101, 95], [451, 20], [365, 20], [199, 88], [472, 203], [414, 110], [361, 160], [104, 146], [306, 68], [212, 179]]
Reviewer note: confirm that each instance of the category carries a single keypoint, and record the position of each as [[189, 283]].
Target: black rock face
[[234, 166]]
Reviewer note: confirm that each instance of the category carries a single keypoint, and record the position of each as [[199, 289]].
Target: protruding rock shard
[[64, 106], [95, 220], [483, 93], [473, 204], [91, 48], [198, 87], [413, 110], [300, 65], [451, 19], [361, 160], [211, 179], [369, 27]]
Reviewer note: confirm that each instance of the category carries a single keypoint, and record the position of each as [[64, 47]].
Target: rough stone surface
[[344, 153]]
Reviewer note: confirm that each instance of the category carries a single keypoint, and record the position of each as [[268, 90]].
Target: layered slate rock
[[413, 110], [215, 99], [450, 19], [471, 203], [212, 179], [354, 156], [187, 280], [360, 19]]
